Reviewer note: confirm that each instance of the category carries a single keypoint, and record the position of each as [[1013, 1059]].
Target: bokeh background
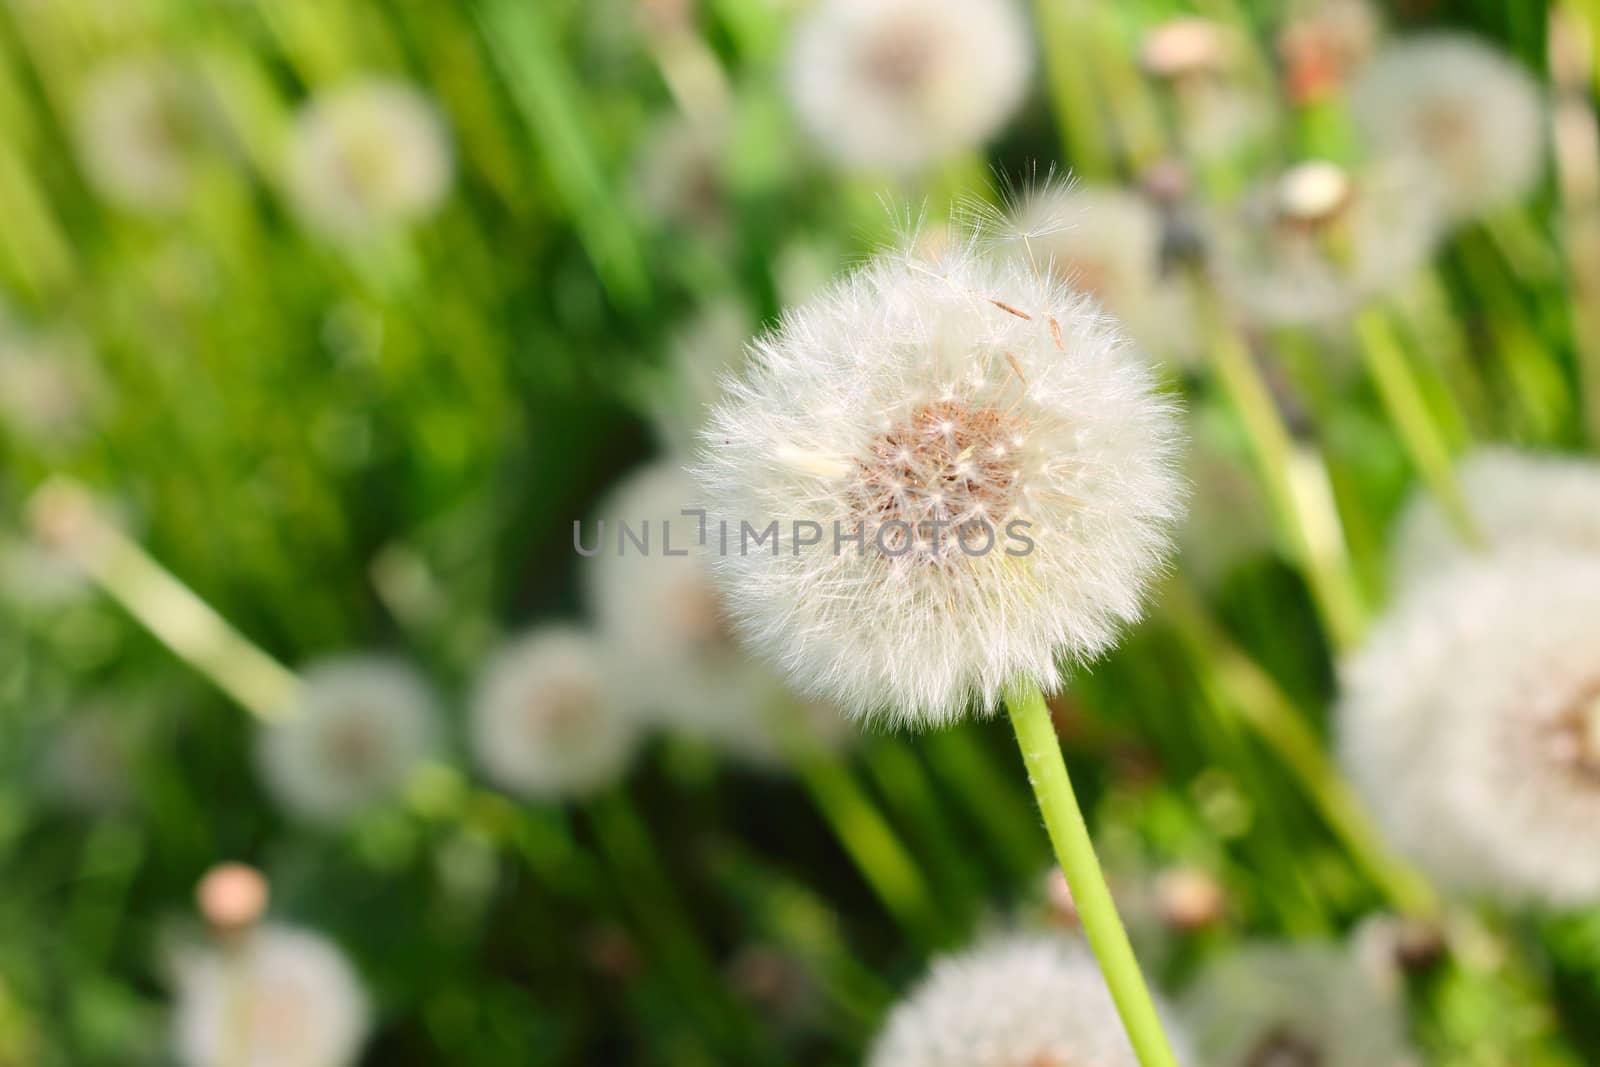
[[321, 323]]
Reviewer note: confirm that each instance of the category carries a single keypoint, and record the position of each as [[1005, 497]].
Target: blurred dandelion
[[358, 729], [901, 85], [1471, 722], [279, 996], [1467, 115], [546, 720], [367, 156], [140, 130], [1295, 1005], [1010, 1001], [1516, 499]]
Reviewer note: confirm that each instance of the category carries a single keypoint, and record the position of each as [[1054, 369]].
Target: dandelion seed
[[904, 84], [546, 717], [1516, 499], [900, 370], [278, 997], [1469, 117], [360, 727], [1009, 1002], [1471, 723], [367, 156], [1294, 1005]]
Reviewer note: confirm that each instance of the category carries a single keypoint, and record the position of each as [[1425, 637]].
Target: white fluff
[[1106, 241], [545, 715], [281, 997], [1469, 722], [1286, 270], [1294, 1004], [903, 84], [359, 728], [1469, 115], [684, 670], [137, 132], [366, 156], [969, 389], [1010, 1002], [1515, 498]]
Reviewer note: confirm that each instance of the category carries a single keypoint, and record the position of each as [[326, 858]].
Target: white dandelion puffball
[[900, 85], [1515, 499], [664, 613], [1467, 113], [358, 729], [138, 131], [1310, 245], [279, 997], [1294, 1005], [1013, 1001], [1107, 241], [1471, 723], [367, 156], [546, 721], [999, 446]]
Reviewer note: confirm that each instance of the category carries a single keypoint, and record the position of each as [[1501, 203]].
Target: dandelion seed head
[[940, 392], [1471, 118], [685, 670], [546, 716], [1515, 498], [1012, 1001], [138, 133], [903, 84], [367, 156], [278, 997], [358, 729], [1310, 245], [1468, 723], [1294, 1005]]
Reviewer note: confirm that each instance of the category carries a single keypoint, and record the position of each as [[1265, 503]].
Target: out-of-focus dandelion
[[679, 173], [1199, 60], [367, 156], [139, 130], [1108, 242], [546, 716], [900, 85], [1001, 456], [232, 896], [1294, 1005], [1323, 42], [705, 350], [360, 726], [1471, 722], [1010, 1001], [278, 996], [48, 386], [1516, 499], [949, 410], [1469, 117], [1311, 244], [685, 670], [89, 758]]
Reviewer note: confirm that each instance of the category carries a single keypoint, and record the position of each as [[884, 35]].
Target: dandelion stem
[[1244, 689], [1408, 410], [1069, 834]]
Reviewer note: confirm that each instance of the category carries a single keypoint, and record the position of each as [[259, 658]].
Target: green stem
[[1063, 820], [1061, 24], [1245, 689], [870, 842], [1408, 410]]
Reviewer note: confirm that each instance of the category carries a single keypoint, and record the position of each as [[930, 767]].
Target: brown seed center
[[1576, 740], [942, 479]]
